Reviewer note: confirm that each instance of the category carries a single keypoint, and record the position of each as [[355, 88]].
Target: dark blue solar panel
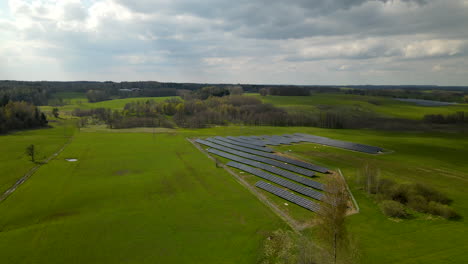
[[243, 144], [275, 170], [271, 156], [296, 199], [280, 181], [257, 158], [339, 143]]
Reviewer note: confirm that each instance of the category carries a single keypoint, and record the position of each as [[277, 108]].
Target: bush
[[418, 203], [431, 194], [442, 210], [393, 209]]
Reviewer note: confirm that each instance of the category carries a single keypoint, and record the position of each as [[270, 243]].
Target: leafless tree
[[331, 218]]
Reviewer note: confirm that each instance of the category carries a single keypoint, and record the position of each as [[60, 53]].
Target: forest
[[20, 115]]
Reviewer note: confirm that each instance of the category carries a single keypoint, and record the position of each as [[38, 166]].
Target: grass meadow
[[148, 195], [381, 105]]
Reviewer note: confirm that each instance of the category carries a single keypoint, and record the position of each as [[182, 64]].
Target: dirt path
[[28, 174]]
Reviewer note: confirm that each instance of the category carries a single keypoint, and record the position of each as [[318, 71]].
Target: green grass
[[83, 103], [438, 160], [14, 162], [138, 197], [132, 198], [385, 106]]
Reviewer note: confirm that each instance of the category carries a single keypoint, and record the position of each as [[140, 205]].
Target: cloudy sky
[[241, 41]]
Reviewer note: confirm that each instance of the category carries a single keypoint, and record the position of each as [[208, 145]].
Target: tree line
[[20, 115], [459, 96], [455, 118]]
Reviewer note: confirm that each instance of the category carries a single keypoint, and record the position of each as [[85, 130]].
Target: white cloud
[[258, 41]]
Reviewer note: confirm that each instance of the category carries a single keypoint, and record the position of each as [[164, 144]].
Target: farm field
[[132, 198], [165, 194], [381, 105], [143, 195]]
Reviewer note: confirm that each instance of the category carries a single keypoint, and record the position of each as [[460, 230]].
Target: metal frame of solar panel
[[293, 198], [340, 144], [280, 181], [244, 144], [271, 156], [288, 167], [278, 171], [250, 142]]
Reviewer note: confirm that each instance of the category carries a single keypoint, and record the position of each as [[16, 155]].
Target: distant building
[[130, 90]]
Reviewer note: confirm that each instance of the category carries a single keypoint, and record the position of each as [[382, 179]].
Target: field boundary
[[286, 218], [350, 193], [28, 174]]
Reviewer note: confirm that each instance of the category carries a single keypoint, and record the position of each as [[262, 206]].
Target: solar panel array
[[257, 158], [276, 140], [277, 171], [280, 181], [248, 141], [246, 145], [339, 143], [271, 156], [296, 199]]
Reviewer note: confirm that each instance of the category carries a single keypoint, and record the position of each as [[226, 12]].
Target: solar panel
[[339, 143], [296, 199], [244, 144], [257, 158], [247, 141], [280, 181], [278, 171], [271, 156], [292, 138]]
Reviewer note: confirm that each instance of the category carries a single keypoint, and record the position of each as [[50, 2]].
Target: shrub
[[399, 193], [393, 209], [442, 210], [418, 203], [385, 187], [431, 194]]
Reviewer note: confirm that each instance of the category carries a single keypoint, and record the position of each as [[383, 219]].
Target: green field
[[76, 101], [381, 105], [135, 196], [132, 198], [13, 159]]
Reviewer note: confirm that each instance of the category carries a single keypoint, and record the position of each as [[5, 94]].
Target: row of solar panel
[[260, 139], [251, 146], [280, 181], [301, 201], [275, 170], [339, 143], [247, 141], [299, 137], [271, 156], [257, 158]]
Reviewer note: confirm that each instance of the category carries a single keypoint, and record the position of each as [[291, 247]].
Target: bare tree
[[31, 151], [369, 178], [331, 218]]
